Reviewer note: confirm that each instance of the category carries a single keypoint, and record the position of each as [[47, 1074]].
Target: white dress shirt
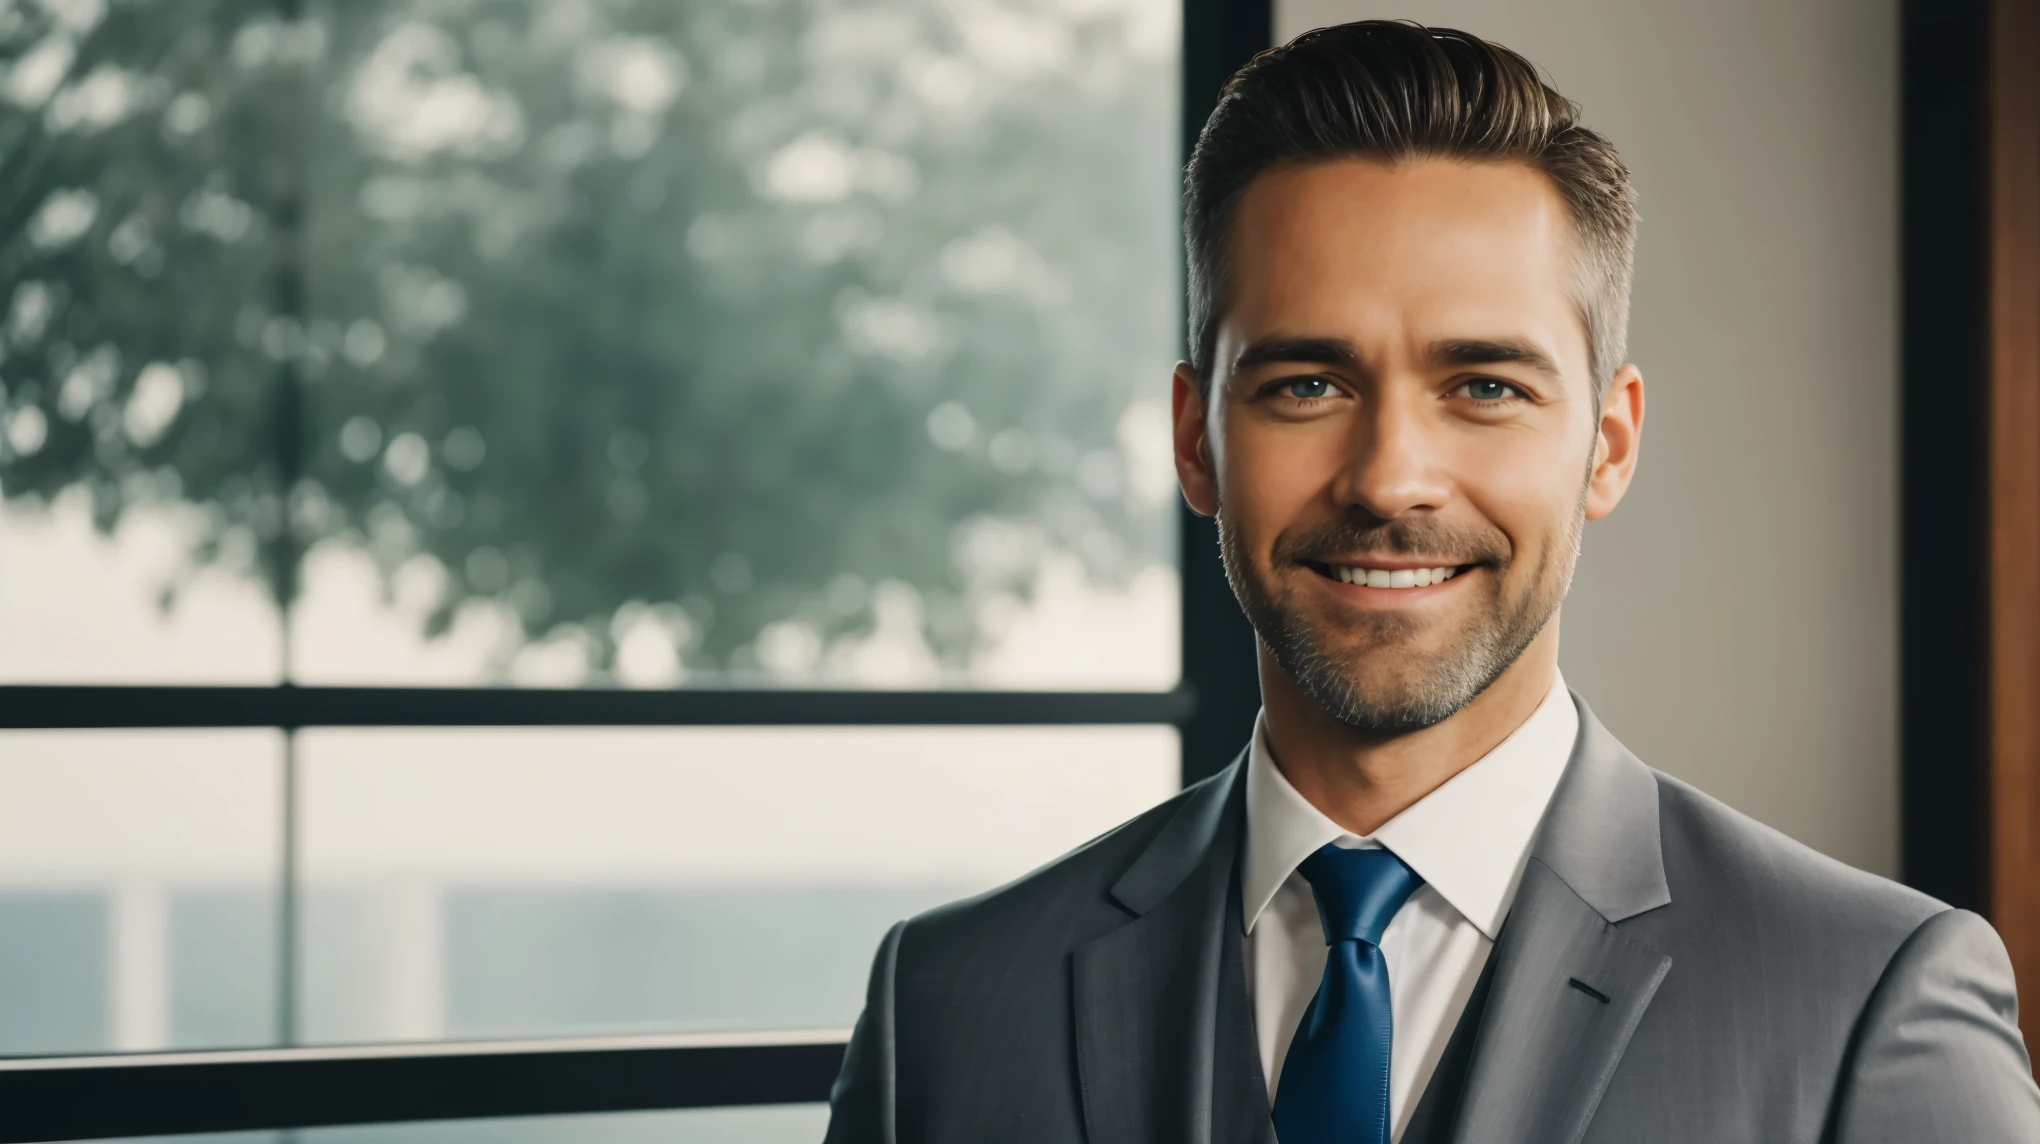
[[1469, 840]]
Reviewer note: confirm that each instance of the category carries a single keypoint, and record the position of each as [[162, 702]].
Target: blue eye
[[1488, 389], [1309, 387]]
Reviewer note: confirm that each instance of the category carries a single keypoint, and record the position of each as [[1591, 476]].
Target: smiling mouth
[[1365, 577]]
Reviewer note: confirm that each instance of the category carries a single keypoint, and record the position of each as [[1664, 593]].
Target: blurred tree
[[605, 316], [135, 257]]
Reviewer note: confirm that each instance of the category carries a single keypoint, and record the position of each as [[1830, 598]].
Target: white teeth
[[1400, 578]]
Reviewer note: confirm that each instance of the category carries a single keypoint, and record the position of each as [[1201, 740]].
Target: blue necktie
[[1334, 1086]]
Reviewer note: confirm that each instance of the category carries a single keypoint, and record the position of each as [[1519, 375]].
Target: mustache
[[1404, 536]]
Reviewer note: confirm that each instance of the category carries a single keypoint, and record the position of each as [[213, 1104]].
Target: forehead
[[1418, 251]]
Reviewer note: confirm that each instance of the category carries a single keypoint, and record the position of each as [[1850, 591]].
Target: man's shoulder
[[1050, 909], [1842, 989], [1743, 874]]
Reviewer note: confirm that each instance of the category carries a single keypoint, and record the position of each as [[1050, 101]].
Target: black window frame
[[291, 1086]]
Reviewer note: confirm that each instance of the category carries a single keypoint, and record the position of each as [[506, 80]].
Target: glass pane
[[138, 889], [807, 342], [778, 1124], [472, 883], [138, 330]]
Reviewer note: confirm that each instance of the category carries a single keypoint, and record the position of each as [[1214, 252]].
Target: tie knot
[[1357, 891]]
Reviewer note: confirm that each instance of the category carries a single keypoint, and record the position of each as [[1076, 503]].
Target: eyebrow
[[1493, 351], [1313, 351]]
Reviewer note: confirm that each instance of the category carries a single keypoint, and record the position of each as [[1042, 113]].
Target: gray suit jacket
[[1671, 971]]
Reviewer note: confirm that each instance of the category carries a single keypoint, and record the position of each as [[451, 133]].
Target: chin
[[1398, 689], [1394, 647]]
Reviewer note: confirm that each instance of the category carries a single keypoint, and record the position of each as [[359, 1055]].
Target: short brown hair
[[1393, 90]]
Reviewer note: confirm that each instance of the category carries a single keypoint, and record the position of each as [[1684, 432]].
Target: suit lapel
[[1151, 1061], [1239, 1097], [1568, 991], [1568, 987]]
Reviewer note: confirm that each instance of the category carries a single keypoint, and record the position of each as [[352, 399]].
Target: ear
[[1620, 436], [1194, 468]]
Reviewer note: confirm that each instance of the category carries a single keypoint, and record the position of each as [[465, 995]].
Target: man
[[1434, 900]]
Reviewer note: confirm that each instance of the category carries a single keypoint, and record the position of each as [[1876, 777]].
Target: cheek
[[1270, 481], [1524, 486]]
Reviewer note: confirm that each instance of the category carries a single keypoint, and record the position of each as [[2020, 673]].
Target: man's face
[[1401, 436]]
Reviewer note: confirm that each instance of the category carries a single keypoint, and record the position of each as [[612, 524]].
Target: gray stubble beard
[[1460, 676]]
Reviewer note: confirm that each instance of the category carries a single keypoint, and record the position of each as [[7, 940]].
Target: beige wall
[[1735, 622]]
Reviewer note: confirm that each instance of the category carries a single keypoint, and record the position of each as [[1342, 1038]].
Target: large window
[[767, 397]]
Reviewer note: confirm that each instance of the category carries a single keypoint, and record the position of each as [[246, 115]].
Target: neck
[[1360, 779]]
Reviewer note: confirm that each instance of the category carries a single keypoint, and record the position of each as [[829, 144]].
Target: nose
[[1395, 462]]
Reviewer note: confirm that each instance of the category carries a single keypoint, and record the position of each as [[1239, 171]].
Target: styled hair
[[1394, 90]]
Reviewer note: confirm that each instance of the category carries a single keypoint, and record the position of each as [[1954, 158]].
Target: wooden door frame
[[1971, 446], [2012, 475]]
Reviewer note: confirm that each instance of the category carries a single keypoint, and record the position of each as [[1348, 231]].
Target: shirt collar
[[1470, 839]]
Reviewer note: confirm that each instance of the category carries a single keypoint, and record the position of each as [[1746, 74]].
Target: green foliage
[[732, 308]]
